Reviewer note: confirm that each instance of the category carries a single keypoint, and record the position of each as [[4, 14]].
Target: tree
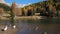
[[29, 12], [12, 14]]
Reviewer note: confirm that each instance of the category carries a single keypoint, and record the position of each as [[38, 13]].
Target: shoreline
[[27, 17]]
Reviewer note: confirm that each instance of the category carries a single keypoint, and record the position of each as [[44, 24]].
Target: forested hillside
[[49, 7], [4, 6]]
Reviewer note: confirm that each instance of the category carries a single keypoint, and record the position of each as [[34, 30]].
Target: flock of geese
[[14, 26], [6, 27]]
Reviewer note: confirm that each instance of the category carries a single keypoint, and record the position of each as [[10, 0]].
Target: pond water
[[49, 25]]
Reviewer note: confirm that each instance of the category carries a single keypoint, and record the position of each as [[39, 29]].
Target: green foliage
[[5, 7], [12, 14], [12, 17], [29, 13], [47, 6]]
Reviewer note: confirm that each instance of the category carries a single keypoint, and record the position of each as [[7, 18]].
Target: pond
[[49, 25]]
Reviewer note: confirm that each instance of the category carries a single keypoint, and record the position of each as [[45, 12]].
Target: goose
[[45, 32], [4, 28], [14, 26], [37, 28]]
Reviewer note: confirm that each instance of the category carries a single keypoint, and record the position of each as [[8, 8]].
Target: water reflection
[[51, 26], [32, 29]]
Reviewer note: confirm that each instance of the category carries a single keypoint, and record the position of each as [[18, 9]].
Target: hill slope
[[4, 6], [44, 6]]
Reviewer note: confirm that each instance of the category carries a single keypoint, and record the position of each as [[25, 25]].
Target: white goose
[[4, 28], [45, 32], [14, 26]]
